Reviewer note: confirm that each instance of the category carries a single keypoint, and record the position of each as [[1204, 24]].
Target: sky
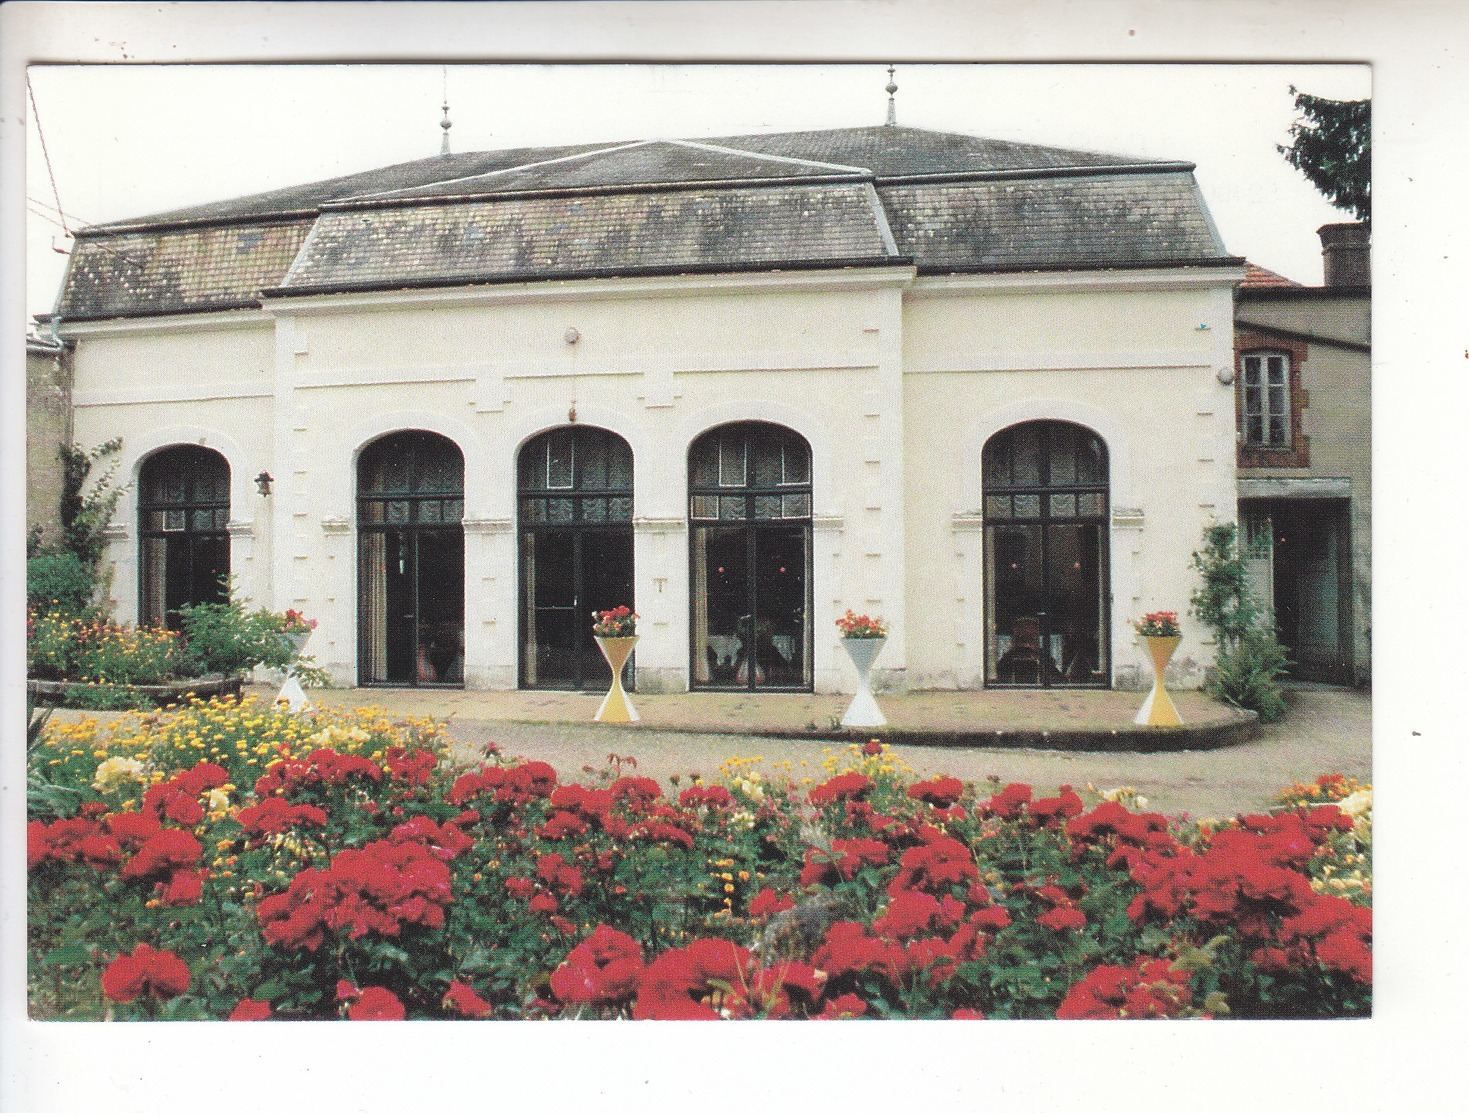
[[129, 140]]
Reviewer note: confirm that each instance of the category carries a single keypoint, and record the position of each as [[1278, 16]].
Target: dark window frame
[[182, 459]]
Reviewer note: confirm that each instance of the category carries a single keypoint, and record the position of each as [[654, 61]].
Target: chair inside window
[[1021, 662]]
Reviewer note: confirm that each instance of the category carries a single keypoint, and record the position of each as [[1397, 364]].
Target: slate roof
[[848, 197]]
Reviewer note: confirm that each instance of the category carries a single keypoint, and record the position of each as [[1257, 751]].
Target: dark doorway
[[576, 553], [1047, 598], [410, 507], [750, 558], [1310, 566], [183, 516]]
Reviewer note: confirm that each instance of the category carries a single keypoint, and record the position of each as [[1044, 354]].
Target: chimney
[[1346, 254]]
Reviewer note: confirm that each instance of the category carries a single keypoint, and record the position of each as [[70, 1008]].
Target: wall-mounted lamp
[[1225, 376], [572, 335], [262, 482]]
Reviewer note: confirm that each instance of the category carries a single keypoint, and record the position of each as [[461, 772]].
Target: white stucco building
[[741, 384]]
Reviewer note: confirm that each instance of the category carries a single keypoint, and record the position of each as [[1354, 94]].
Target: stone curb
[[1201, 736]]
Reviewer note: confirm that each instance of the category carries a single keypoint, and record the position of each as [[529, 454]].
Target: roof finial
[[446, 123], [892, 103]]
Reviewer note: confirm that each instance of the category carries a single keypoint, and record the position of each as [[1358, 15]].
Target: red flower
[[1065, 804], [376, 1003], [872, 748], [564, 879], [942, 792], [132, 827], [714, 796], [766, 902], [184, 887], [912, 913], [161, 854], [850, 785], [848, 1006], [604, 969], [520, 888], [683, 983], [1063, 919], [275, 815], [465, 1001], [966, 1014], [543, 903], [1149, 988], [251, 1010], [160, 973], [1009, 802]]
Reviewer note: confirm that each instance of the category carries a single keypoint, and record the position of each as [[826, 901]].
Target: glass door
[[750, 559], [1047, 612], [410, 562], [576, 553]]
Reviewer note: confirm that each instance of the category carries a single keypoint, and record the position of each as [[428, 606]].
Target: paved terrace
[[1090, 720]]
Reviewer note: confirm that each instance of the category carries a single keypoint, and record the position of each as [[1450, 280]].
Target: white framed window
[[1267, 403]]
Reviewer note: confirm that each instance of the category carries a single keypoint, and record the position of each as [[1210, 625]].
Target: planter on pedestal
[[1157, 708], [616, 707], [863, 712], [291, 693]]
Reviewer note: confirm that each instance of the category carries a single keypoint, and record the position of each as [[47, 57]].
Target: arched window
[[1046, 578], [576, 551], [750, 558], [183, 514], [410, 612]]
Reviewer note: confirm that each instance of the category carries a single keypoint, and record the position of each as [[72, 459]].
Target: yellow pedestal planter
[[1157, 708], [616, 707]]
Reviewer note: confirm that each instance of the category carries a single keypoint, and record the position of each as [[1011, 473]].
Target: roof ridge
[[438, 182], [704, 145]]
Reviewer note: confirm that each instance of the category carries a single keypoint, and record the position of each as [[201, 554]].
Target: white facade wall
[[895, 382]]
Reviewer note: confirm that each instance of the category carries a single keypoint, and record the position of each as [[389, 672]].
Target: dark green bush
[[1248, 674], [1250, 661], [59, 582], [228, 639]]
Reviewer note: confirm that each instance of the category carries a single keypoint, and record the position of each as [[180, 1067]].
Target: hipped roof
[[854, 197]]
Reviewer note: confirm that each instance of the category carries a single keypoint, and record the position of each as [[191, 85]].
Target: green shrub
[[1250, 661], [59, 582], [1247, 674], [226, 638]]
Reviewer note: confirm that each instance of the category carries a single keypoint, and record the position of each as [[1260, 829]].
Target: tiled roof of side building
[[1258, 277]]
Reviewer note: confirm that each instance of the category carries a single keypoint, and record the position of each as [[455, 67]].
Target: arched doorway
[[410, 561], [575, 488], [183, 514], [750, 558], [1047, 592]]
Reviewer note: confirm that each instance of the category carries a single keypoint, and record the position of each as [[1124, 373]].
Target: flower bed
[[91, 662], [233, 861]]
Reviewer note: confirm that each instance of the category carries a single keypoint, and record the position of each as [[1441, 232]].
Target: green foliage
[[1248, 672], [86, 511], [227, 638], [1222, 601], [1249, 661], [1331, 144], [60, 582]]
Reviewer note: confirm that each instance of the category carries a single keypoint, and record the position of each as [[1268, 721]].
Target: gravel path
[[1325, 730]]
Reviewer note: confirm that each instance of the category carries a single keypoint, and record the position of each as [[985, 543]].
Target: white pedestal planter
[[291, 693], [863, 712]]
